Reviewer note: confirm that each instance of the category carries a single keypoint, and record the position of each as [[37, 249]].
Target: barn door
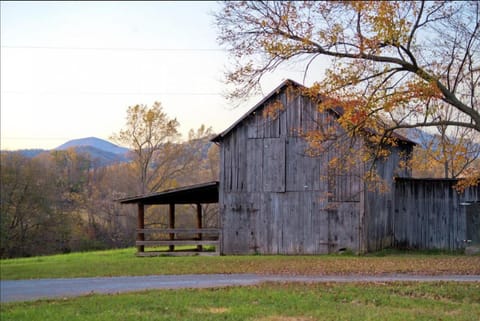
[[473, 223]]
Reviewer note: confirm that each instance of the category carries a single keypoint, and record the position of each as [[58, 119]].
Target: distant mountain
[[30, 153], [101, 152], [94, 142], [419, 136], [433, 141]]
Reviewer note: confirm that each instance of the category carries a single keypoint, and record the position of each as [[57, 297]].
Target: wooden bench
[[203, 236]]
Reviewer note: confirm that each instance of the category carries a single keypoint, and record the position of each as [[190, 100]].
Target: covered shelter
[[199, 194]]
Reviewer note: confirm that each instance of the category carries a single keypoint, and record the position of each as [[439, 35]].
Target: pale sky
[[71, 69]]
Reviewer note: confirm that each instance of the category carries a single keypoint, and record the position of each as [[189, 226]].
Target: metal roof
[[193, 194]]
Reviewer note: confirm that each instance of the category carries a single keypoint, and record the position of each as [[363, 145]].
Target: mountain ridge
[[94, 142], [101, 151]]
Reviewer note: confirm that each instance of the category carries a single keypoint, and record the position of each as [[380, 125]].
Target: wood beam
[[199, 225], [171, 224], [141, 225]]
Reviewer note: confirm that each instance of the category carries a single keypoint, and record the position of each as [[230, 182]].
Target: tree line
[[58, 201]]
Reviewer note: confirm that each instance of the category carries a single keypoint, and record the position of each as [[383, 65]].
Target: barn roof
[[276, 91], [194, 194]]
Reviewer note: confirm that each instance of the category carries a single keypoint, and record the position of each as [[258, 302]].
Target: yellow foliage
[[273, 109], [394, 64]]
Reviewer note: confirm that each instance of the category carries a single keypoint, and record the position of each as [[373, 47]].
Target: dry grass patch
[[426, 265], [218, 310]]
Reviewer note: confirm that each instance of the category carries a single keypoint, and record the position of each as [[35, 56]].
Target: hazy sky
[[70, 69]]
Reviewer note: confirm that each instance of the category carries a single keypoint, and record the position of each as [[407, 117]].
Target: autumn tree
[[458, 150], [394, 64], [207, 166], [149, 130], [59, 202], [113, 223], [181, 164], [33, 216], [447, 152]]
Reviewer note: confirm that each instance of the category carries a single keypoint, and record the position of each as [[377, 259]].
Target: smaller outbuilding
[[196, 194]]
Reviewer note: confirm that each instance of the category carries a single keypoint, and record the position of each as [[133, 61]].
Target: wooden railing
[[196, 236]]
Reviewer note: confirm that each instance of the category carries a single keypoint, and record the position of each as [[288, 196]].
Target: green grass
[[124, 262], [267, 302]]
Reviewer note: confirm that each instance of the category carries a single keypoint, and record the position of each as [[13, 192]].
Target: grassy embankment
[[123, 262]]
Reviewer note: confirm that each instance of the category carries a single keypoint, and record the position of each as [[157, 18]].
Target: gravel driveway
[[26, 290]]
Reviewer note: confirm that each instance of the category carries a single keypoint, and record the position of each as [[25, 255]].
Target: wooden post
[[199, 224], [171, 224], [141, 225]]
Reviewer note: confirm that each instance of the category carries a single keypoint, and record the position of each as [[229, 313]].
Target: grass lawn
[[123, 262], [267, 302]]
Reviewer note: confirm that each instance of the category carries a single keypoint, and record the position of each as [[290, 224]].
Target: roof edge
[[288, 82], [135, 199], [283, 84]]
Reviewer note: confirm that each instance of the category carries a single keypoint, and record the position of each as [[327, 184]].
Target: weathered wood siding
[[428, 214], [273, 197], [379, 204]]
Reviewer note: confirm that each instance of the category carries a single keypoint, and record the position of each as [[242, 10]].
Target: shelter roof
[[193, 194]]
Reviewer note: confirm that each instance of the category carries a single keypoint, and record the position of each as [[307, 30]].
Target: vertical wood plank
[[141, 225], [171, 224], [199, 224], [428, 215], [274, 165]]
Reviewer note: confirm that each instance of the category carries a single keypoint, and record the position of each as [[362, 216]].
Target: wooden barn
[[276, 199]]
